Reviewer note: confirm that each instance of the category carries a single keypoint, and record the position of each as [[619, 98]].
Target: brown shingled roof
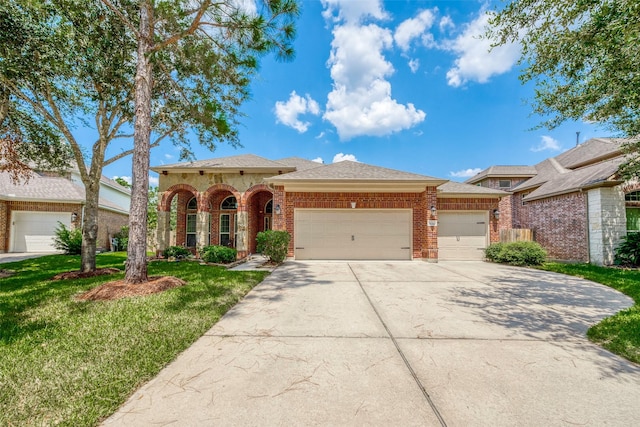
[[243, 161]]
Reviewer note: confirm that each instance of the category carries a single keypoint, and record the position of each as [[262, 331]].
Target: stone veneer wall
[[607, 223]]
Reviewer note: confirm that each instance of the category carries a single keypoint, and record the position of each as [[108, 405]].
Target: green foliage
[[628, 252], [619, 333], [218, 254], [516, 253], [122, 238], [68, 241], [177, 252], [73, 363], [273, 244], [122, 182], [583, 57]]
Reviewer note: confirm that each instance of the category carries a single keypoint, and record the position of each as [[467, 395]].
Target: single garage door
[[462, 235], [34, 231], [356, 234]]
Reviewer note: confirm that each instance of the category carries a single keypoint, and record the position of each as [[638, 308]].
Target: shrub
[[177, 252], [122, 238], [218, 254], [516, 253], [628, 253], [68, 241], [273, 244]]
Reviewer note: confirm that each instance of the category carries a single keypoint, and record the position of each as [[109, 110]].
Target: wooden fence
[[516, 235]]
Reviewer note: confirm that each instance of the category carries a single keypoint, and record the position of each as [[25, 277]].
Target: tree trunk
[[90, 225], [136, 270]]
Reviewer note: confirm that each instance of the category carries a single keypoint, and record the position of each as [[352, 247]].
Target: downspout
[[586, 203]]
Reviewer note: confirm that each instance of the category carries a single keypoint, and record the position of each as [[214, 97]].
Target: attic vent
[[504, 183]]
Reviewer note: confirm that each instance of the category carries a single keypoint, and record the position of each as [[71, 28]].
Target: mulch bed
[[119, 289], [85, 274], [6, 273]]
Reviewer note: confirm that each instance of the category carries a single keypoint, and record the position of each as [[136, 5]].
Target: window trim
[[224, 233], [226, 208], [191, 233], [500, 181]]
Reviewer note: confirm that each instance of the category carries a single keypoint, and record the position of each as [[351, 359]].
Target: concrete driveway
[[400, 343]]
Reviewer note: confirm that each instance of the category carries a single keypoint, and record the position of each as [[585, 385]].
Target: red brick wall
[[475, 204], [424, 237], [4, 226], [559, 225], [109, 223], [255, 209]]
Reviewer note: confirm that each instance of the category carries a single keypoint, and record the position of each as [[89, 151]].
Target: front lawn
[[72, 362], [619, 333]]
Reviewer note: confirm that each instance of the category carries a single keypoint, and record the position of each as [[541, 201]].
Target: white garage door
[[462, 235], [34, 231], [353, 234]]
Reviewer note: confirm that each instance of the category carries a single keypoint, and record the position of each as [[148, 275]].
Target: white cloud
[[320, 135], [168, 156], [318, 160], [287, 112], [547, 143], [154, 180], [414, 28], [446, 23], [414, 64], [352, 12], [475, 60], [360, 102], [465, 173], [340, 157]]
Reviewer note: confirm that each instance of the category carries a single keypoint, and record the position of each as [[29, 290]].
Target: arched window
[[229, 204], [192, 205], [268, 208]]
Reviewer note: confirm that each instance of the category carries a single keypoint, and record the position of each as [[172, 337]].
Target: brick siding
[[559, 225]]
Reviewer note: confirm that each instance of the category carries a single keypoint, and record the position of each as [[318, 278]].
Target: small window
[[632, 197], [504, 183], [225, 230], [229, 204], [191, 230], [267, 223], [268, 209], [523, 196], [192, 205], [633, 219]]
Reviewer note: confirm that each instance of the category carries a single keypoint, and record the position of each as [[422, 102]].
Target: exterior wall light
[[278, 210], [74, 217], [353, 205], [496, 214], [433, 210]]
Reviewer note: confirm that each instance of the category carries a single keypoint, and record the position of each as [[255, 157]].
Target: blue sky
[[404, 84]]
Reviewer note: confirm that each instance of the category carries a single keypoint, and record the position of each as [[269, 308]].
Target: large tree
[[194, 62], [583, 57], [151, 70]]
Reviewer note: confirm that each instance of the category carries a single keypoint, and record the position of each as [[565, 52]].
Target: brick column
[[431, 252]]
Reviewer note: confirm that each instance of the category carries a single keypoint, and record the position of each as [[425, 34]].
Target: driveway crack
[[401, 353]]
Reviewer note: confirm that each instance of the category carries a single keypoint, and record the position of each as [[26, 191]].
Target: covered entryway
[[462, 235], [353, 234], [35, 231]]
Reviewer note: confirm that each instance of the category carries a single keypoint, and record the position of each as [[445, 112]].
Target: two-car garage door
[[462, 235], [353, 234], [34, 231]]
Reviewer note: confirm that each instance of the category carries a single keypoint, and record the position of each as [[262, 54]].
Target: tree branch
[[123, 18], [192, 28]]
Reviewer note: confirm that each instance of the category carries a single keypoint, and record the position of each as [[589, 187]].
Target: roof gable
[[242, 161]]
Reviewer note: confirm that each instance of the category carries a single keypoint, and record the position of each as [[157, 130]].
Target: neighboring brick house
[[30, 211], [573, 202], [345, 210]]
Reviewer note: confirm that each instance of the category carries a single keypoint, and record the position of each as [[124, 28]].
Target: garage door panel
[[353, 234], [35, 231], [462, 235]]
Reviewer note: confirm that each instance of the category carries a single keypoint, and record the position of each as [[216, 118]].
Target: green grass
[[619, 333], [67, 362]]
